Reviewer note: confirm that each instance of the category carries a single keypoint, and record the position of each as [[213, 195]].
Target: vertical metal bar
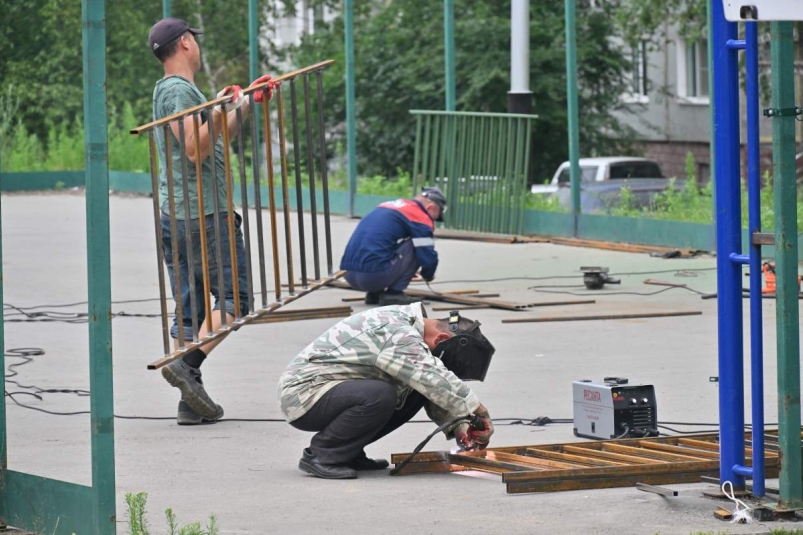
[[235, 280], [451, 172], [187, 227], [157, 222], [490, 169], [449, 52], [249, 281], [424, 156], [221, 284], [351, 112], [728, 232], [313, 202], [435, 148], [324, 176], [500, 175], [572, 108], [258, 200], [444, 156], [101, 382], [517, 190], [754, 212], [510, 146], [299, 192], [3, 422], [199, 188], [476, 149], [165, 8], [171, 194], [253, 66], [787, 313], [274, 243], [416, 153], [288, 235], [462, 171], [522, 205]]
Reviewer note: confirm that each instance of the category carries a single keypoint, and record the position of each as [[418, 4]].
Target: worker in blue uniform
[[391, 244]]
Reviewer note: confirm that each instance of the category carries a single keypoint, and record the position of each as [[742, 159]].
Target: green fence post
[[571, 105], [351, 112], [787, 314], [165, 8], [98, 267], [449, 52]]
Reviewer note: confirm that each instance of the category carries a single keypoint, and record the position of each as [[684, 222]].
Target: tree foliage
[[399, 53]]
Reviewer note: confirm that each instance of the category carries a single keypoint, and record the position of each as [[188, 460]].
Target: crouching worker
[[372, 372]]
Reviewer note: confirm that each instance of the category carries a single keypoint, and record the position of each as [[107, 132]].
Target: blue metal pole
[[754, 213], [728, 219], [351, 112], [101, 386]]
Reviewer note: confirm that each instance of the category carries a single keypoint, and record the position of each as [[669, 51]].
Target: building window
[[697, 69], [639, 69]]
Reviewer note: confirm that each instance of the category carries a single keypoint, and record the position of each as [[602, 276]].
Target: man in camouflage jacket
[[365, 377]]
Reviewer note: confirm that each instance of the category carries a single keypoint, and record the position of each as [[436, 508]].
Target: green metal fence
[[480, 162]]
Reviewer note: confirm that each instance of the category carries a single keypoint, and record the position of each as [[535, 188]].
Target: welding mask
[[468, 353]]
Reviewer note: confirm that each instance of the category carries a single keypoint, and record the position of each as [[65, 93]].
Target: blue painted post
[[101, 401], [756, 298], [728, 225], [351, 112]]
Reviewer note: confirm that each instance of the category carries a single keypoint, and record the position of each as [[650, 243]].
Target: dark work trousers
[[396, 277], [354, 414]]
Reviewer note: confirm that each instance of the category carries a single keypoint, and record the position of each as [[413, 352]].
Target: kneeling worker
[[372, 372], [390, 244]]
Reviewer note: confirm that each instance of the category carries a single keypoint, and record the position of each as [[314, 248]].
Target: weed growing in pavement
[[138, 523]]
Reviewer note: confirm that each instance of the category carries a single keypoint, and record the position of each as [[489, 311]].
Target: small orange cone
[[769, 278]]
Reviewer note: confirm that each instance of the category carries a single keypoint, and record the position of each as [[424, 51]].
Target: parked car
[[602, 197], [602, 170]]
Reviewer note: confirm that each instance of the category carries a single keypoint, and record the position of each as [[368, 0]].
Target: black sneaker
[[311, 465], [188, 380], [187, 416], [372, 298], [389, 298]]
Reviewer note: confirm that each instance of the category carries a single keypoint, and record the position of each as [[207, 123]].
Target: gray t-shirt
[[172, 95]]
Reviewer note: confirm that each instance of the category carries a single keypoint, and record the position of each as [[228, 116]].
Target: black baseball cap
[[168, 30]]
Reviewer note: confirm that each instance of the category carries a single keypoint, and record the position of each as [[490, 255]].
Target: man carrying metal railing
[[173, 43], [391, 244]]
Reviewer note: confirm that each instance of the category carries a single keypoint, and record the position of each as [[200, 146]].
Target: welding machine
[[614, 409]]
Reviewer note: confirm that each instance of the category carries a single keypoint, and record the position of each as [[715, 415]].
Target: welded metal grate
[[589, 465]]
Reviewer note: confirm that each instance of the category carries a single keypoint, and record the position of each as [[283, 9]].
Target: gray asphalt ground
[[245, 472]]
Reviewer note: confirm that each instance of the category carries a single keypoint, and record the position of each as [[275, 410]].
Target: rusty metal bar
[[159, 252], [249, 281], [235, 280], [225, 331], [272, 204], [288, 234], [324, 177], [174, 234], [318, 67], [185, 179], [199, 180], [216, 217], [605, 317], [258, 201], [313, 202], [302, 250]]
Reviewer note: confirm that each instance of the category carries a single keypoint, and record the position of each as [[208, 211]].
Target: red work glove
[[481, 437], [260, 96], [237, 98]]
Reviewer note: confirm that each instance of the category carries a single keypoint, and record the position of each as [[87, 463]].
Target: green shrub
[[138, 524]]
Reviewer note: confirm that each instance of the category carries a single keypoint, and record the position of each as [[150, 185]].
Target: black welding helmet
[[468, 353]]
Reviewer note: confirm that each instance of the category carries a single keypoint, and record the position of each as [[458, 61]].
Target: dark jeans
[[354, 414], [227, 295], [395, 278]]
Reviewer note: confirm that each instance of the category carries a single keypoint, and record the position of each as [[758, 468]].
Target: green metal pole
[[571, 105], [351, 112], [165, 8], [101, 386], [787, 313], [253, 60], [448, 45]]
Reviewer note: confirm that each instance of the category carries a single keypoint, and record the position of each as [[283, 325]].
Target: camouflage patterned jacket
[[384, 343]]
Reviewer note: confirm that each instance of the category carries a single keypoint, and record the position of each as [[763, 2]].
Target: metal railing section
[[302, 158], [480, 161]]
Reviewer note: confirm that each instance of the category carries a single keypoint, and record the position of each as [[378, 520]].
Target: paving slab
[[245, 472]]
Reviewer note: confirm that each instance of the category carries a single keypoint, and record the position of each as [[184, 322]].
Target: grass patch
[[138, 523]]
